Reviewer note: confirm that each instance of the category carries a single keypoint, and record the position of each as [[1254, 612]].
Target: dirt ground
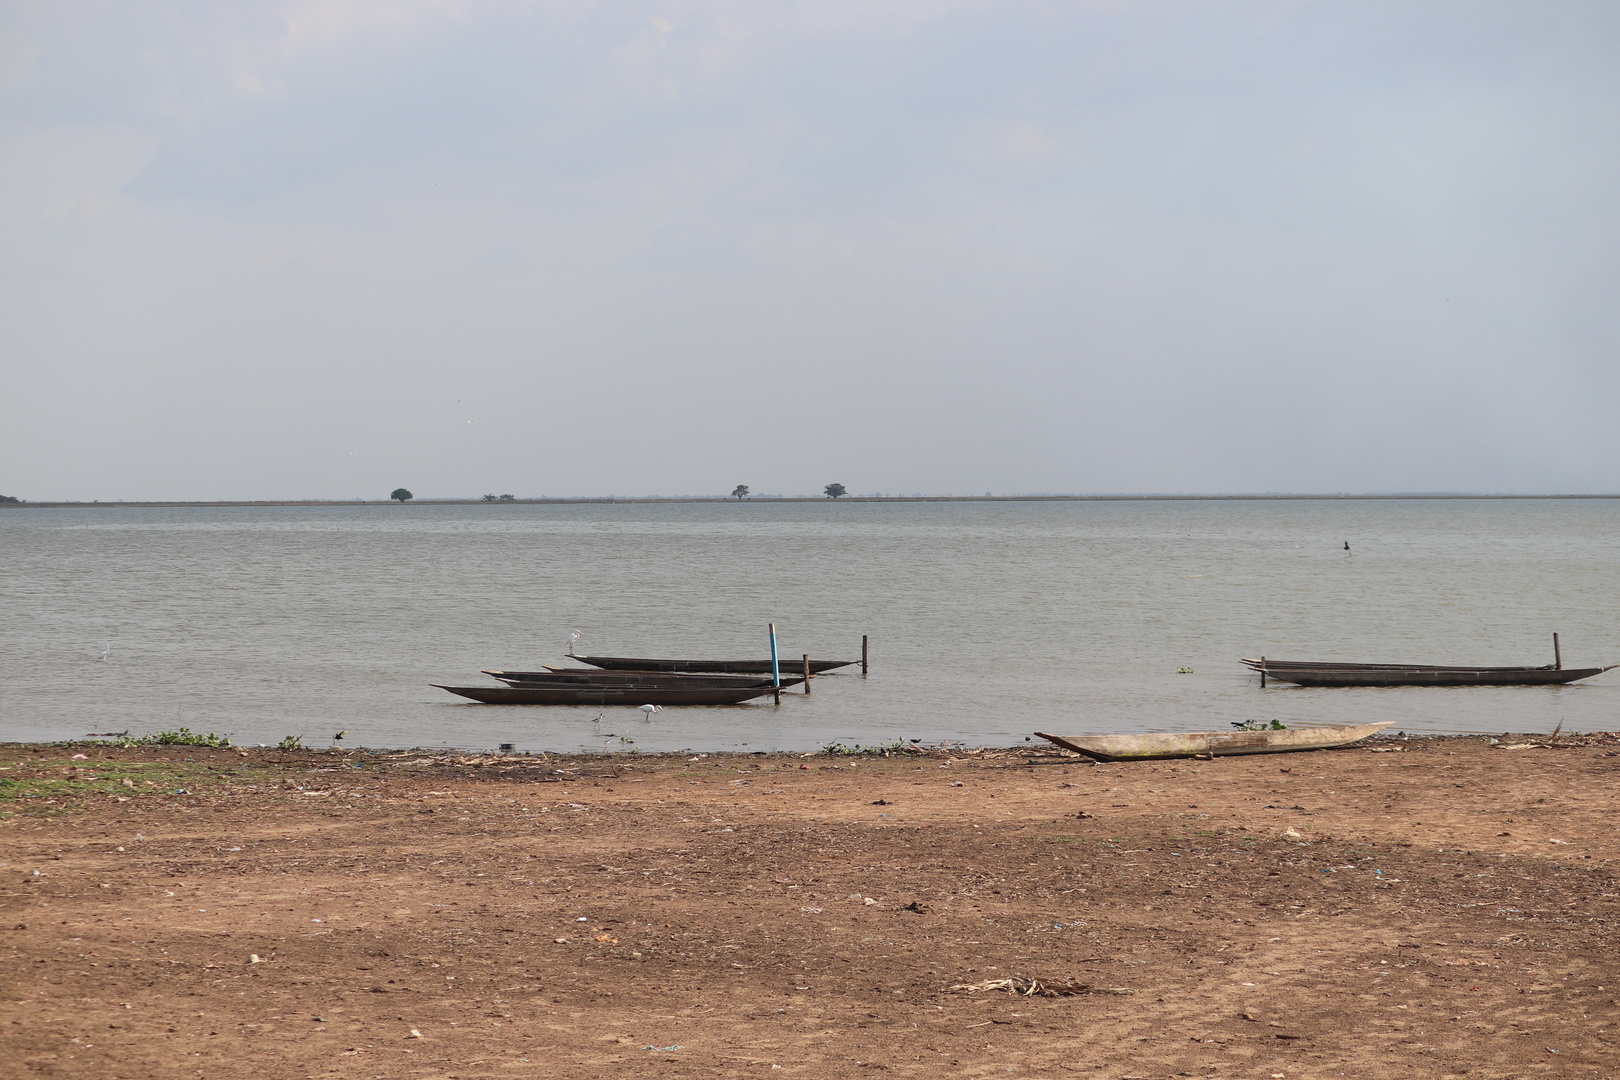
[[1422, 908]]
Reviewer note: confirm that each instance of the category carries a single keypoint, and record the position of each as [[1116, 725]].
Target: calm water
[[988, 620]]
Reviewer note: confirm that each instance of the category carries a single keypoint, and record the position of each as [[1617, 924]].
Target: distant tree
[[14, 499], [402, 494], [508, 498], [739, 491], [835, 490], [490, 497]]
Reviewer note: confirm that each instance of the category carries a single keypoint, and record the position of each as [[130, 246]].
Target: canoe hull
[[605, 694], [763, 667], [1393, 675], [592, 677], [1156, 745]]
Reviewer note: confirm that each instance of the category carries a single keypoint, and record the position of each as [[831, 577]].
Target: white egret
[[648, 710], [569, 645], [105, 652]]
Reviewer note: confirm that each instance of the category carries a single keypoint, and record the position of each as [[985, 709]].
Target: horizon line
[[624, 499]]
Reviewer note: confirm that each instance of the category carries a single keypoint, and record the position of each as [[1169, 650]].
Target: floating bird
[[1347, 545], [339, 735], [648, 710], [569, 645], [105, 652]]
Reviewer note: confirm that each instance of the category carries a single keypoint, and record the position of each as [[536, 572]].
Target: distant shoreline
[[631, 500]]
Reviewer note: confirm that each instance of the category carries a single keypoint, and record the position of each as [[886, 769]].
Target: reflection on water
[[988, 620]]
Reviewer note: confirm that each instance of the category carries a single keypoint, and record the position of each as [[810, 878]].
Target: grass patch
[[54, 785]]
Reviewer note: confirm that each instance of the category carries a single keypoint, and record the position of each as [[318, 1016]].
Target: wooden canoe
[[1305, 673], [1283, 665], [787, 664], [593, 677], [608, 694], [1146, 747]]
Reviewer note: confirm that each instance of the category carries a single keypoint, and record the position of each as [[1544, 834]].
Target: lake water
[[988, 621]]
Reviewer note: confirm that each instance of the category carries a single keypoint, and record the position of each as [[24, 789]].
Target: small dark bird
[[339, 735], [1347, 545]]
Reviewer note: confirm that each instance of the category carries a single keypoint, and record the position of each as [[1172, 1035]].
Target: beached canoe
[[593, 677], [1328, 673], [609, 694], [787, 664], [1217, 743]]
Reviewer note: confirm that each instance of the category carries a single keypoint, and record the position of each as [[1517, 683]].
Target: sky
[[326, 248]]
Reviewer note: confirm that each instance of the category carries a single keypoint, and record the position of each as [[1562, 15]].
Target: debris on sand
[[1028, 987]]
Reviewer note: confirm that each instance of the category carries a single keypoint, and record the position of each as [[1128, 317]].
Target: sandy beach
[[1432, 908]]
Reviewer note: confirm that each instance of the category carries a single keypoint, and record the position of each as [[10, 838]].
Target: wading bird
[[648, 710], [105, 652], [339, 736], [569, 645]]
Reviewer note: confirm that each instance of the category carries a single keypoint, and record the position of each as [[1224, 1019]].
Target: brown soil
[[1446, 909]]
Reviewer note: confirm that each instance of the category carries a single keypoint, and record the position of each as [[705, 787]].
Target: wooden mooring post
[[863, 654], [1558, 660], [1262, 673], [807, 673]]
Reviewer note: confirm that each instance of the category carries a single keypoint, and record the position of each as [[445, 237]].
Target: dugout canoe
[[787, 663], [608, 694], [1327, 673], [1154, 745], [593, 677]]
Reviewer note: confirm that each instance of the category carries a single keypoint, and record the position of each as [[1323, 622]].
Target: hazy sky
[[324, 248]]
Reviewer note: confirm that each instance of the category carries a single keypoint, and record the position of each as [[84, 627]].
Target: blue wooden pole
[[776, 666]]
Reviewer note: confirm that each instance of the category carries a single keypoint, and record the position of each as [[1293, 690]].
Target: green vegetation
[[739, 491], [291, 742], [179, 737], [9, 499], [402, 494], [50, 786], [835, 490], [897, 747]]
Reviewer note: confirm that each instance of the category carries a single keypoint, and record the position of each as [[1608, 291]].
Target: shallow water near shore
[[988, 621]]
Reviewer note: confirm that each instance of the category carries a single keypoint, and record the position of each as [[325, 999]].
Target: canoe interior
[[787, 664], [1155, 745], [608, 694]]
